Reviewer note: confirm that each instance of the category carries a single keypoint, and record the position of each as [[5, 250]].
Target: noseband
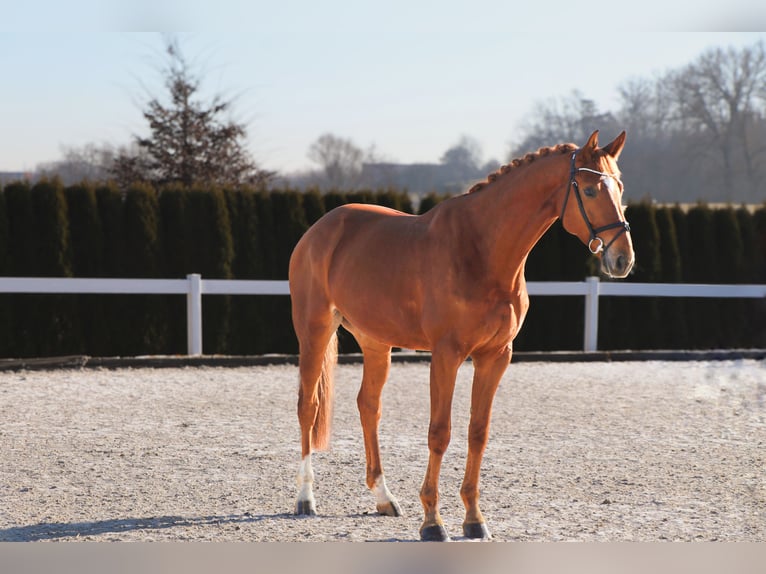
[[593, 231]]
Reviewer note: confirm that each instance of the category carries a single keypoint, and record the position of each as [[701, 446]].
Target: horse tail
[[320, 433]]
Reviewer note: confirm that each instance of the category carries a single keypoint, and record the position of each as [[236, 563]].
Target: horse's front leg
[[488, 370], [444, 367]]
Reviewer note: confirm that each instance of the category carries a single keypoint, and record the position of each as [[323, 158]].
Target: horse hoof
[[390, 508], [476, 530], [435, 533], [305, 508]]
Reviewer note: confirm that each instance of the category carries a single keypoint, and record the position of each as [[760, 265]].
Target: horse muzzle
[[617, 263]]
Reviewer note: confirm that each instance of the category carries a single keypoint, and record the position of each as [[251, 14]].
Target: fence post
[[590, 344], [194, 314]]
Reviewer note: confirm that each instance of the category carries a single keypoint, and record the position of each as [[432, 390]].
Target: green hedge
[[95, 230]]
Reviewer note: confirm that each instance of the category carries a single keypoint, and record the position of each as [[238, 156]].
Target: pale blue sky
[[408, 77]]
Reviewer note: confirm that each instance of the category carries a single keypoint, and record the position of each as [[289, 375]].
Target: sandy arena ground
[[644, 451]]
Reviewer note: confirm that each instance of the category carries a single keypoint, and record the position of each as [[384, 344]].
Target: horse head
[[595, 214]]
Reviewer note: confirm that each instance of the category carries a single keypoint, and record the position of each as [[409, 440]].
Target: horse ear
[[615, 148], [590, 147]]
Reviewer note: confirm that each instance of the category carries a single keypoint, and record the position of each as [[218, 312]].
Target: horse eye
[[590, 191]]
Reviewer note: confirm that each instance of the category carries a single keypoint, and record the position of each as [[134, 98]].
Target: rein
[[593, 231]]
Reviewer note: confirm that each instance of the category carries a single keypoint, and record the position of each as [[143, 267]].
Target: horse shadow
[[64, 530], [52, 531]]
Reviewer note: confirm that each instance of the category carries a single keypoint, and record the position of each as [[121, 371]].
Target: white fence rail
[[194, 287]]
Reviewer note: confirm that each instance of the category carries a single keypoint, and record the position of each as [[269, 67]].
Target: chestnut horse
[[450, 281]]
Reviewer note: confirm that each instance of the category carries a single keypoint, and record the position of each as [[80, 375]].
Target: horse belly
[[381, 309], [377, 287]]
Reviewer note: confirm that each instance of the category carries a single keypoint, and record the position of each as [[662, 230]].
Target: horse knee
[[368, 406], [477, 437], [438, 438]]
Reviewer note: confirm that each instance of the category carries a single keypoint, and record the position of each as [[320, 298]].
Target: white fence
[[194, 287]]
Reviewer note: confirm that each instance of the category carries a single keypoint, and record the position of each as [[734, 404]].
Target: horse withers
[[450, 281]]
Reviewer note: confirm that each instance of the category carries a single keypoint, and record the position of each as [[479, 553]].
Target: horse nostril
[[620, 266]]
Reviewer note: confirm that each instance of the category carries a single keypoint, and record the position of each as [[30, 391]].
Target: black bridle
[[593, 231]]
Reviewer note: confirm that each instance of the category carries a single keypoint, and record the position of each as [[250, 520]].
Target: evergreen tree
[[174, 232], [87, 243], [702, 267], [427, 203], [635, 322], [542, 325], [267, 235], [249, 333], [4, 255], [21, 226], [211, 255], [730, 257], [290, 219], [682, 235], [752, 258], [313, 203], [333, 199], [52, 316], [51, 238], [111, 204], [753, 312], [360, 196], [573, 266], [85, 231], [674, 333], [263, 313], [669, 252], [394, 199], [146, 332], [731, 250], [177, 251], [759, 276], [111, 213], [6, 307], [191, 141], [759, 224], [702, 251]]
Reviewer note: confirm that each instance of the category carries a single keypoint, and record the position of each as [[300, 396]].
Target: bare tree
[[190, 141], [90, 162], [462, 163], [646, 108], [567, 119], [696, 133], [656, 158], [339, 158], [720, 99], [465, 154]]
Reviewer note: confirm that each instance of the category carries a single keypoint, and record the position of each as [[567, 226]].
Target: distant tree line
[[694, 133], [99, 230]]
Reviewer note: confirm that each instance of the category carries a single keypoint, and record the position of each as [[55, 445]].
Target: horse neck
[[513, 212]]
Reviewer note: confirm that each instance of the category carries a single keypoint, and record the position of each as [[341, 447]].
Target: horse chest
[[505, 317]]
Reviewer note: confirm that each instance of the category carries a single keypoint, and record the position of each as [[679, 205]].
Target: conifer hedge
[[96, 230]]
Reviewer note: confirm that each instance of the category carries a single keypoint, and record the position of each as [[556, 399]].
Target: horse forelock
[[559, 149]]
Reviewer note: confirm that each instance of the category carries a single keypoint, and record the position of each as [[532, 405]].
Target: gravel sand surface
[[643, 451]]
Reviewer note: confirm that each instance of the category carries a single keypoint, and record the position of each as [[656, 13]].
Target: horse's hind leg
[[318, 351], [377, 361]]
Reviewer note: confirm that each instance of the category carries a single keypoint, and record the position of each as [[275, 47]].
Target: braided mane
[[526, 160]]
